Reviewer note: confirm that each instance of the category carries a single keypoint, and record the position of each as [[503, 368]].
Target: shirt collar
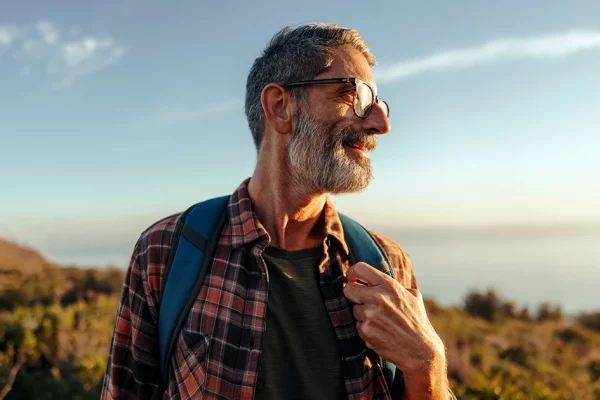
[[245, 227], [333, 225]]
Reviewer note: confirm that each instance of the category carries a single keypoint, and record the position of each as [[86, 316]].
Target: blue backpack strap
[[193, 243], [362, 246]]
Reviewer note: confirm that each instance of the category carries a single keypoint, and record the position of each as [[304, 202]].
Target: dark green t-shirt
[[300, 357]]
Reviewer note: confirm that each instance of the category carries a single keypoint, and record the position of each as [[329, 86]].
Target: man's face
[[328, 150]]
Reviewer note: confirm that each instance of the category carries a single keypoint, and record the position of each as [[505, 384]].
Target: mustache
[[364, 139]]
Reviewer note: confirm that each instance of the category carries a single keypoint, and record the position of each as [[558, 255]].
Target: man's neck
[[293, 219]]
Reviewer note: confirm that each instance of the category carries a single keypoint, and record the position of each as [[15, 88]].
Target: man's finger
[[416, 293], [358, 310], [356, 293], [365, 273]]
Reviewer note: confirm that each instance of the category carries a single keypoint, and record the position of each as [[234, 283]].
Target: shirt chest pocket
[[189, 364]]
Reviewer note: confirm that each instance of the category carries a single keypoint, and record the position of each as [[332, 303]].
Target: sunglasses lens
[[364, 100]]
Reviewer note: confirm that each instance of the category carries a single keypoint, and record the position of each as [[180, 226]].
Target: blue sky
[[116, 114]]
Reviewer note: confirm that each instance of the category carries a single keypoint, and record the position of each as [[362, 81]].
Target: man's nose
[[378, 121]]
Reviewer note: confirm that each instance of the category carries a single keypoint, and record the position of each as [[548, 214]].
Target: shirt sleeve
[[133, 363]]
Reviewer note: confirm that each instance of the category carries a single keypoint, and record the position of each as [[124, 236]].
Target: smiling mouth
[[358, 147]]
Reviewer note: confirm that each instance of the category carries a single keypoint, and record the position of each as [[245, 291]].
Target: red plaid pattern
[[217, 351]]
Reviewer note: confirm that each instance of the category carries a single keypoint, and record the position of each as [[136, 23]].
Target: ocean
[[527, 266]]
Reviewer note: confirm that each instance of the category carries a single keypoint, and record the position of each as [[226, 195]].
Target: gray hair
[[295, 54]]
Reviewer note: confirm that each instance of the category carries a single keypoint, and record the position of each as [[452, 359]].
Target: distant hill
[[27, 278], [19, 267], [14, 257]]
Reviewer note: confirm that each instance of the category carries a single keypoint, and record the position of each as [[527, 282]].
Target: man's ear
[[278, 106]]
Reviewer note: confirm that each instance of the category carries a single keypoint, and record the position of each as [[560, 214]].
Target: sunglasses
[[364, 95]]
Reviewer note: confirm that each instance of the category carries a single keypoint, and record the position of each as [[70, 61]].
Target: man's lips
[[359, 146]]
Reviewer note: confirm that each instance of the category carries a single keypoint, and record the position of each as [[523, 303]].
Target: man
[[281, 313]]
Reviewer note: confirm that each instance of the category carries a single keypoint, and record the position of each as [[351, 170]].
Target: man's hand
[[392, 321]]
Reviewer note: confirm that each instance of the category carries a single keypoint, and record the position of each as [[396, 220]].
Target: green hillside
[[56, 324]]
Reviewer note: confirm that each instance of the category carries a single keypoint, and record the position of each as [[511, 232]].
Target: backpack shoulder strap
[[193, 243], [362, 246]]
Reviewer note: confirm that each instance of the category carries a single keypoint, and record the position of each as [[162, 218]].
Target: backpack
[[194, 241]]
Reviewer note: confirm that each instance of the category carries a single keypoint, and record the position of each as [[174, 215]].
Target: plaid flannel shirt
[[217, 351]]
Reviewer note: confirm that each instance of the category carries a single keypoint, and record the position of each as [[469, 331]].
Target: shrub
[[486, 306], [571, 335], [516, 354], [524, 314], [590, 320], [594, 370], [548, 312]]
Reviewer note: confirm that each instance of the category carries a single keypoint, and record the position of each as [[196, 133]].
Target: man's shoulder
[[399, 260], [392, 248], [154, 244], [160, 232], [151, 254]]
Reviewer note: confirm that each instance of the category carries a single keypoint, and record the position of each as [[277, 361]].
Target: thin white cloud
[[80, 52], [42, 49], [189, 113], [169, 115], [48, 32], [83, 57], [8, 34], [538, 47]]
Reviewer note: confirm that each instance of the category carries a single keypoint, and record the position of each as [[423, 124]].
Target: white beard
[[319, 162]]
